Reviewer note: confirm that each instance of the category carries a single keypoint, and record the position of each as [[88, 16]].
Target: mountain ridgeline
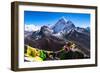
[[55, 37]]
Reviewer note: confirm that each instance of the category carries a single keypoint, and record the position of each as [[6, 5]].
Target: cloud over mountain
[[31, 27]]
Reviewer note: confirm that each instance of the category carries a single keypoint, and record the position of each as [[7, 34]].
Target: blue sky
[[49, 18]]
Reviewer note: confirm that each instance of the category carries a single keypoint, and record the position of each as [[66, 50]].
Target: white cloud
[[84, 26], [31, 27]]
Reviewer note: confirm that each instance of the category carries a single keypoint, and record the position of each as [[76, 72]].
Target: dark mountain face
[[83, 30], [45, 43], [87, 29], [63, 25], [45, 31], [81, 39]]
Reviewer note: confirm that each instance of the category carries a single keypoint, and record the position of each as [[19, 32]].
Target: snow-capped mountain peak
[[63, 24], [63, 19]]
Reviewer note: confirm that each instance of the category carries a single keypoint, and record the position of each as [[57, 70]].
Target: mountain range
[[55, 37]]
